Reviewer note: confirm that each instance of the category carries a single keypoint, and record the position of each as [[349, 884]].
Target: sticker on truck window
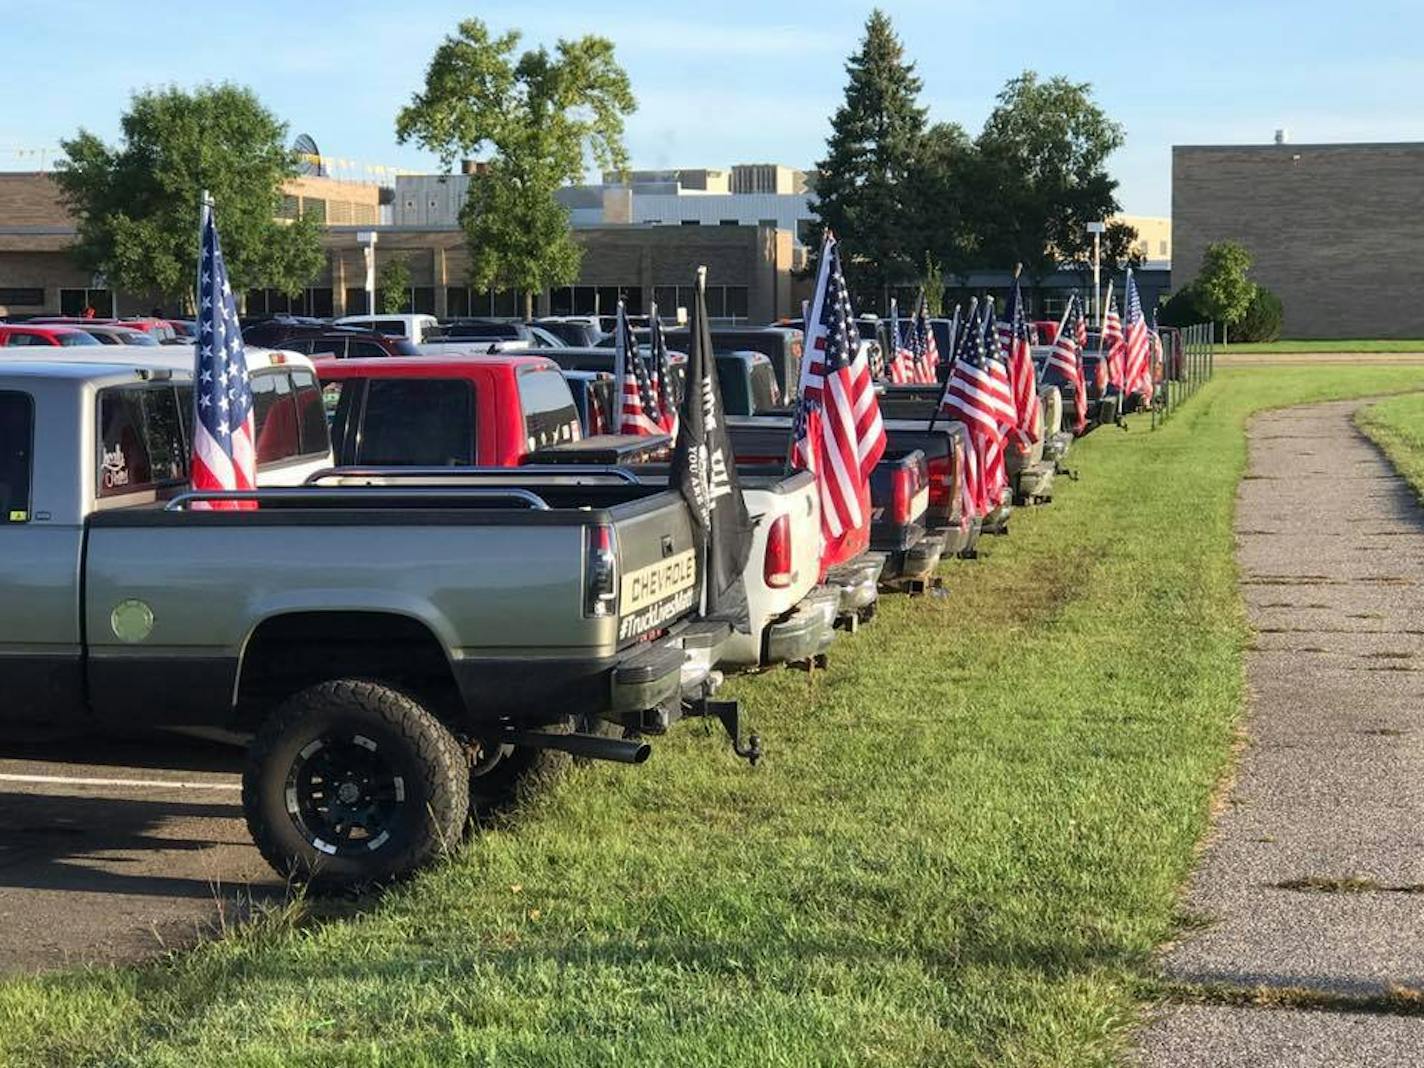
[[658, 593]]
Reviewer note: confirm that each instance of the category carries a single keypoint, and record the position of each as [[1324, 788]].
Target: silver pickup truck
[[399, 653]]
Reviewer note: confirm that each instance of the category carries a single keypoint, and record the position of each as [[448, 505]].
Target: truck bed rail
[[318, 478], [336, 496]]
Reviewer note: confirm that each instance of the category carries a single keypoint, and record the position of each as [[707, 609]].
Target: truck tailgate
[[658, 577]]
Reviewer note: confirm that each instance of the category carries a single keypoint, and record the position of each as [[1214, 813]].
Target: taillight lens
[[904, 491], [600, 576], [941, 482], [777, 566]]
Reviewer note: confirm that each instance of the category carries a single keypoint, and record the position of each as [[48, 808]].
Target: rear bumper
[[916, 563], [858, 581], [651, 678], [806, 631]]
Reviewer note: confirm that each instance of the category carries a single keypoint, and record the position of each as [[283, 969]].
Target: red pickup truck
[[486, 412]]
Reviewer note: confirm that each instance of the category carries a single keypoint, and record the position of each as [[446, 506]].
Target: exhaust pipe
[[589, 746]]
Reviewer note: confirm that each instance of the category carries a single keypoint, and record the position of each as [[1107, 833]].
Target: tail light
[[777, 566], [600, 575], [904, 493], [941, 482]]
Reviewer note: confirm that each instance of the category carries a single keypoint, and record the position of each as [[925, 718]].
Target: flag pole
[[1064, 321], [699, 309], [953, 355]]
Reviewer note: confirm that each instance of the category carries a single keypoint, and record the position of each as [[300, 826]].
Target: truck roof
[[177, 359], [431, 366]]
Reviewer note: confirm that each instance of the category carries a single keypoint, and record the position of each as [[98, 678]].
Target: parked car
[[324, 340], [748, 383], [120, 335], [20, 335], [780, 344], [376, 640], [505, 411], [573, 331], [160, 330], [414, 328]]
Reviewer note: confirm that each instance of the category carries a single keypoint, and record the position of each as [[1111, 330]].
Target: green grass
[[1348, 345], [1397, 427], [966, 840]]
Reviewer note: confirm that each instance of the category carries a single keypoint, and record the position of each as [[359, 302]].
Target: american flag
[[923, 346], [1112, 342], [977, 394], [223, 454], [838, 434], [902, 360], [663, 387], [1067, 359], [637, 410], [1022, 378], [1137, 351], [1080, 326]]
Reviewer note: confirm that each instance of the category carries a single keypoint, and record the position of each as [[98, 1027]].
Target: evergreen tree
[[863, 187]]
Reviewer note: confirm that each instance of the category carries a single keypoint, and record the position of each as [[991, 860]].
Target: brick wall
[[1335, 229]]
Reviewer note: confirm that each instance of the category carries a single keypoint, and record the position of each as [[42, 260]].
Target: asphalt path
[[115, 850], [1311, 884]]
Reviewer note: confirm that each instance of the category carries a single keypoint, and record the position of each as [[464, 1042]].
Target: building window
[[26, 296], [315, 207], [462, 302], [728, 222], [1162, 248], [457, 301], [77, 301], [356, 301], [723, 302], [290, 208], [691, 222]]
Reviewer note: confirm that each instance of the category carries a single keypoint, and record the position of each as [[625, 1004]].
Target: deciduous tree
[[536, 117], [1221, 290], [137, 201], [393, 285]]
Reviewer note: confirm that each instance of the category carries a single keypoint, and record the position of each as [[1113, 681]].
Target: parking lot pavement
[[112, 851]]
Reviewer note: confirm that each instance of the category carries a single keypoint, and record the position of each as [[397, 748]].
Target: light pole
[[367, 240], [1096, 229]]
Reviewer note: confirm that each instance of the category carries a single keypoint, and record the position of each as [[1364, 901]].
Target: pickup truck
[[395, 650], [899, 499], [748, 381], [782, 345], [943, 450], [507, 411], [594, 395]]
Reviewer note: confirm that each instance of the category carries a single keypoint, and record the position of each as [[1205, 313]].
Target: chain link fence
[[1188, 361]]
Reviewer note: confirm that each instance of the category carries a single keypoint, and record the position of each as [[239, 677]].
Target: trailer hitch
[[730, 713]]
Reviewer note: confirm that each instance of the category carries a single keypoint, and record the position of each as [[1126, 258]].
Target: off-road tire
[[433, 773]]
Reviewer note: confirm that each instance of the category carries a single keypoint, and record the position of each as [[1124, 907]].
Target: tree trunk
[[528, 305]]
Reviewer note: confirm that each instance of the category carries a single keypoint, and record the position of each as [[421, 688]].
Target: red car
[[160, 329], [22, 334]]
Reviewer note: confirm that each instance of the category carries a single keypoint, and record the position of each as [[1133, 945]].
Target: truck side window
[[17, 428], [550, 416], [141, 439], [442, 436]]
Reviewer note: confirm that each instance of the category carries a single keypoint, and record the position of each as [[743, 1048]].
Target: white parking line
[[66, 780]]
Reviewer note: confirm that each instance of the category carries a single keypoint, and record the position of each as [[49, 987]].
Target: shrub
[[1262, 321], [1181, 309]]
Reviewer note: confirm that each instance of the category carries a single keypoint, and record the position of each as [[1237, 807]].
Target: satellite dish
[[308, 156]]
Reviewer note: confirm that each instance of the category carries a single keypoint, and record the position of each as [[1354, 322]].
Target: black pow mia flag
[[704, 470]]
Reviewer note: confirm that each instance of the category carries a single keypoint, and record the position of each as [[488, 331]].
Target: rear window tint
[[425, 422], [287, 416], [17, 431], [356, 348], [550, 416], [141, 439], [765, 394], [311, 414]]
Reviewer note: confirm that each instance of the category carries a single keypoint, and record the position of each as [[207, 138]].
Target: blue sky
[[738, 81]]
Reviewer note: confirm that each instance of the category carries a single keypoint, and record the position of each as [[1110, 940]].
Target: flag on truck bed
[[924, 347], [1137, 351], [838, 433], [977, 394], [1067, 359], [224, 456], [637, 411], [1112, 343], [902, 359], [1022, 380], [664, 389], [704, 469]]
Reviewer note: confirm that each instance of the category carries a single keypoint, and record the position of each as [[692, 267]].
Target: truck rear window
[[422, 422], [142, 439], [287, 416], [550, 416], [17, 429]]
